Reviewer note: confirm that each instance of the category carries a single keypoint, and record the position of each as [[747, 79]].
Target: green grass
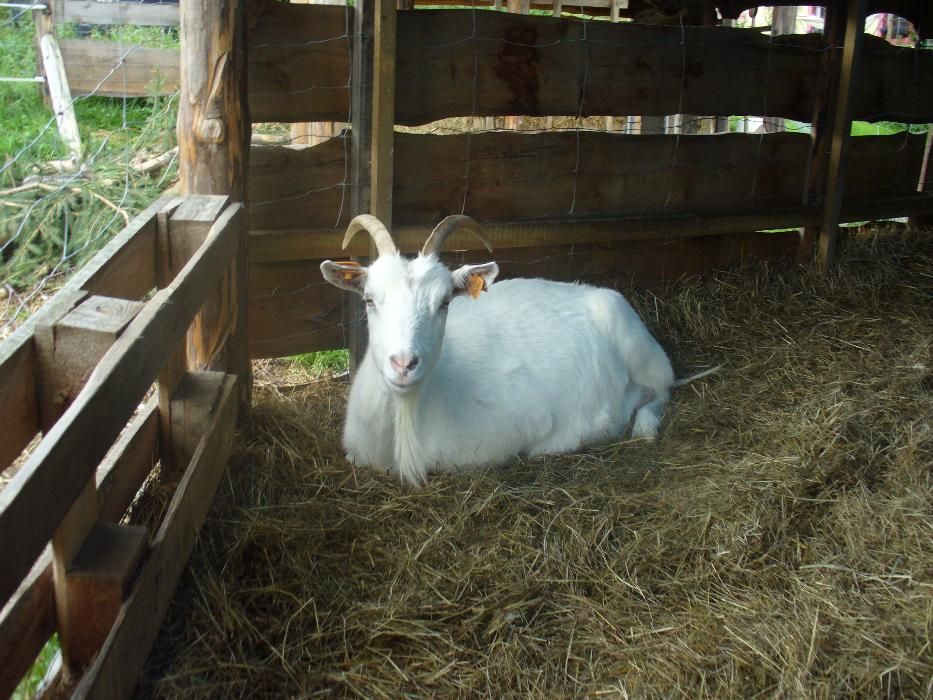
[[30, 683], [330, 361], [51, 226]]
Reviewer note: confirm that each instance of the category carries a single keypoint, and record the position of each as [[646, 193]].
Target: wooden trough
[[142, 359]]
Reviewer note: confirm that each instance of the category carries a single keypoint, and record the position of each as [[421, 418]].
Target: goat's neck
[[410, 455]]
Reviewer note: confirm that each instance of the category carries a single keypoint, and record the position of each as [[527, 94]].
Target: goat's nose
[[404, 363]]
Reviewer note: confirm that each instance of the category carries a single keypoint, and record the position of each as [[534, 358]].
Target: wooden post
[[213, 144], [383, 136], [842, 127], [824, 116], [91, 568], [926, 181]]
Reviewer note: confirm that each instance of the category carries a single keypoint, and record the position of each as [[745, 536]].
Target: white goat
[[533, 367]]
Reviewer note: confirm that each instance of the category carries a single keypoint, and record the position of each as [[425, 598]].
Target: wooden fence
[[541, 193], [102, 373]]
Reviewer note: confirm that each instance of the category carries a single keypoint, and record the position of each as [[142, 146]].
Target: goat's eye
[[369, 301], [445, 304]]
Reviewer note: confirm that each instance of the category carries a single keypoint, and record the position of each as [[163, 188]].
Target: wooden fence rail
[[69, 565]]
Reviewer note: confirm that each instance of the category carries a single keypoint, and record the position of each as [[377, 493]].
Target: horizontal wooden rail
[[110, 69], [464, 63], [124, 268], [499, 175], [69, 454], [120, 13]]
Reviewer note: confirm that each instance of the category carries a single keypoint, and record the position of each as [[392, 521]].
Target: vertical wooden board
[[19, 407], [299, 61], [26, 623], [300, 186], [293, 310], [115, 670], [110, 69], [517, 176]]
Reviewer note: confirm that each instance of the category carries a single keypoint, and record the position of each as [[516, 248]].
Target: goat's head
[[407, 300]]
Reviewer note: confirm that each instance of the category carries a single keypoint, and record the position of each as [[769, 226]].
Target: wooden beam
[[26, 623], [842, 128], [119, 13], [361, 148], [19, 405], [115, 670], [464, 70], [926, 180], [35, 501], [285, 39], [383, 138], [109, 69], [213, 141], [56, 82]]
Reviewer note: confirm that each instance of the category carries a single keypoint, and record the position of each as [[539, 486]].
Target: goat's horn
[[452, 223], [375, 228]]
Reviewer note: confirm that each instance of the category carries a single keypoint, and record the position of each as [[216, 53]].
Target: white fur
[[531, 367]]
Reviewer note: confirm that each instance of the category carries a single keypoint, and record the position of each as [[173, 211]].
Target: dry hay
[[775, 542]]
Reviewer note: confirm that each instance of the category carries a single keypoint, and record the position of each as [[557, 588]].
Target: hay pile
[[776, 541]]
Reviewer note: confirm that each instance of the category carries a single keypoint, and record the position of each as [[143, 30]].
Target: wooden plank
[[109, 69], [299, 184], [465, 63], [128, 463], [19, 407], [294, 311], [113, 674], [120, 13], [26, 623], [616, 175], [841, 139], [299, 62], [96, 583], [291, 245], [361, 142], [56, 82], [122, 268], [600, 175], [34, 502]]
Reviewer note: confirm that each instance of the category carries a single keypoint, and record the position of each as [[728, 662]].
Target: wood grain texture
[[19, 406], [35, 501], [299, 62], [114, 672], [307, 185], [26, 623], [109, 69], [120, 13], [465, 63]]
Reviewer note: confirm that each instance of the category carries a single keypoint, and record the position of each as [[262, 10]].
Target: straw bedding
[[775, 541]]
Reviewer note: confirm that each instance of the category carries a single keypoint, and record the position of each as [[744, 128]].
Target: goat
[[532, 367]]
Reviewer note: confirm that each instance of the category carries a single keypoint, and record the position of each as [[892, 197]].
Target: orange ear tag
[[348, 275], [476, 285]]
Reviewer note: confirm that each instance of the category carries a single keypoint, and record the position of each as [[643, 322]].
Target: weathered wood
[[361, 156], [460, 62], [119, 13], [284, 41], [114, 672], [836, 178], [19, 406], [56, 81], [69, 349], [108, 69], [35, 501], [213, 120], [299, 184], [384, 113], [213, 142], [128, 463], [926, 180], [26, 623], [603, 175], [294, 311], [96, 583], [617, 175]]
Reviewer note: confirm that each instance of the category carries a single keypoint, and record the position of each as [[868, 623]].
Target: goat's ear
[[346, 275], [474, 279]]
